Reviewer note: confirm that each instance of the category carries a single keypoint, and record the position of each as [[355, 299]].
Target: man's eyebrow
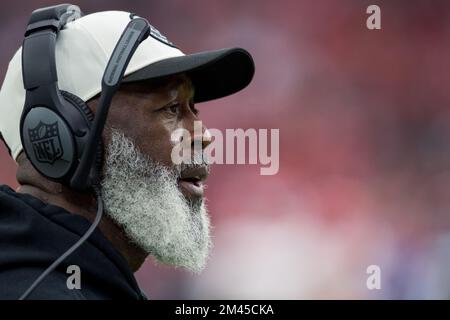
[[188, 86]]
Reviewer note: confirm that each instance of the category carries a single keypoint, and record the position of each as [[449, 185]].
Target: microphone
[[137, 30]]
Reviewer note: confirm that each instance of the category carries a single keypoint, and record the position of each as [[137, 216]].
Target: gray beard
[[142, 197]]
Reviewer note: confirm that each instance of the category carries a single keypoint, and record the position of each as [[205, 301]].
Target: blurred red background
[[364, 123]]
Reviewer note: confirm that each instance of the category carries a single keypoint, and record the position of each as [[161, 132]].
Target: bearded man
[[152, 205]]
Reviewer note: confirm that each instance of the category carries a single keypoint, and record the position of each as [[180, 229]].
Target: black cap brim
[[214, 74]]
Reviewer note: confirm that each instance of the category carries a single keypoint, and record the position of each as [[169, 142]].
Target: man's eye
[[174, 108]]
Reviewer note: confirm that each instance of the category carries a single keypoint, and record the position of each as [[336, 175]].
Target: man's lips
[[192, 179]]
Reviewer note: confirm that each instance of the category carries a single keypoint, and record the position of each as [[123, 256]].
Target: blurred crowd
[[364, 121]]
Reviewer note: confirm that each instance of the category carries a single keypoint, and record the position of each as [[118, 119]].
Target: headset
[[59, 133]]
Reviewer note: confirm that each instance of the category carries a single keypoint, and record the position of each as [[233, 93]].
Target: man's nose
[[202, 136]]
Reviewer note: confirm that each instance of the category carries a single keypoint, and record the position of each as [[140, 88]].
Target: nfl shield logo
[[46, 142]]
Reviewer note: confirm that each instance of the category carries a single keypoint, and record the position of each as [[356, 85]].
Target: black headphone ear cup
[[89, 117], [48, 142]]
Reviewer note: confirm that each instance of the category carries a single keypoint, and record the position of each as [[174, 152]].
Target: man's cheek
[[161, 151], [180, 141]]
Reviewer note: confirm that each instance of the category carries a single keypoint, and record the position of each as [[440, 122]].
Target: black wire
[[58, 261]]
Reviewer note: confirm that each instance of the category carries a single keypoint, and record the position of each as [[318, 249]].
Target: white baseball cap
[[83, 49]]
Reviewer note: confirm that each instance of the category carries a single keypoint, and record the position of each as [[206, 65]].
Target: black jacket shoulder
[[33, 234]]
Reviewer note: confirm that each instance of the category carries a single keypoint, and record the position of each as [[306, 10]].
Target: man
[[152, 205]]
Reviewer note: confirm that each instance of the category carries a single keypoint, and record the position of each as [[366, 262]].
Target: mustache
[[198, 161]]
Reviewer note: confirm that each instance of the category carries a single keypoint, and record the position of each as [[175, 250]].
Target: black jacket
[[33, 234]]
